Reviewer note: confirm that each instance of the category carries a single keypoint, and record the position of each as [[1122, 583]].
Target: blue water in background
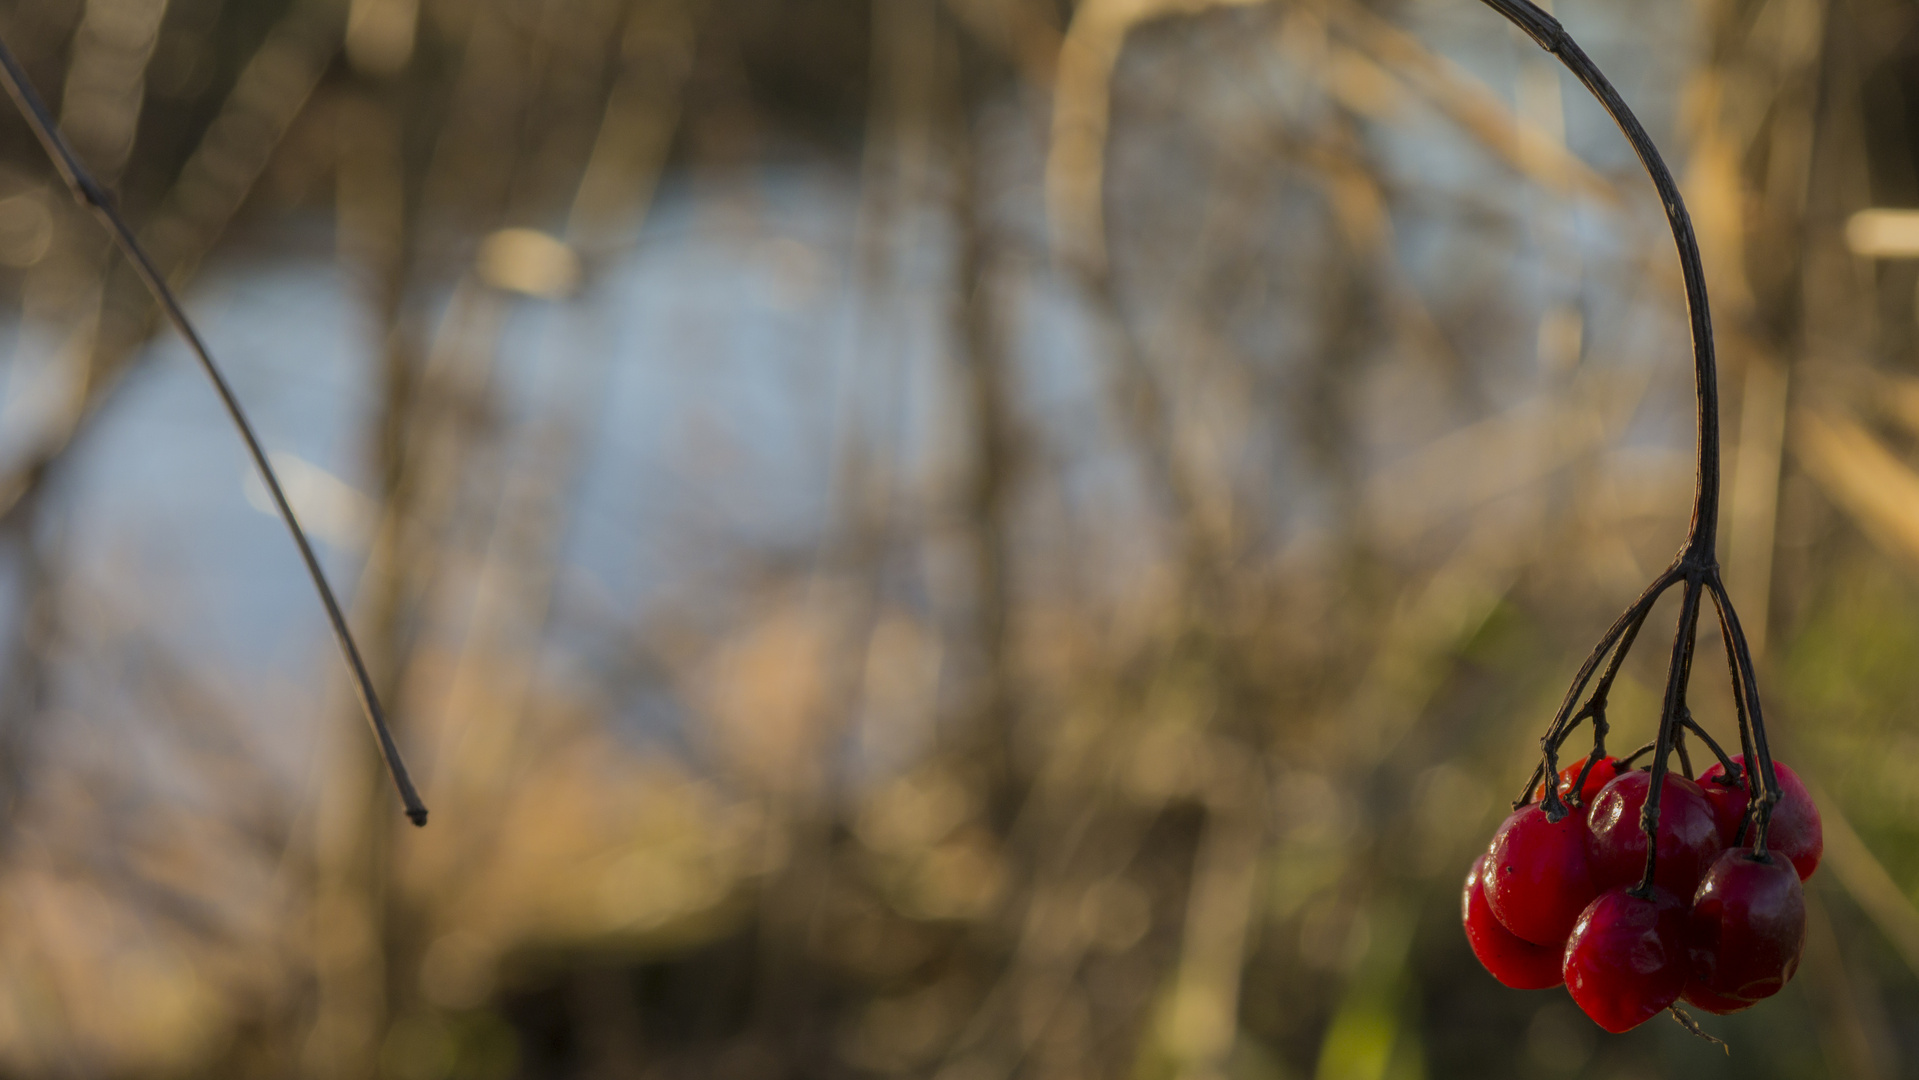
[[707, 429], [734, 362]]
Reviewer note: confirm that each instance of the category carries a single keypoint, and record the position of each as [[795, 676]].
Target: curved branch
[[1552, 37], [89, 193]]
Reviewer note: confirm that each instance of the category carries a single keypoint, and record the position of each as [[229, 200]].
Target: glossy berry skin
[[1747, 926], [1627, 957], [1536, 878], [1702, 998], [1688, 833], [1601, 775], [1795, 830], [1514, 961]]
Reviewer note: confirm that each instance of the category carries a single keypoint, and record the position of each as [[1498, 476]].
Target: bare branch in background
[[88, 192]]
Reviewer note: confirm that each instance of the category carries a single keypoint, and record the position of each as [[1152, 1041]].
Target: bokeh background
[[964, 539]]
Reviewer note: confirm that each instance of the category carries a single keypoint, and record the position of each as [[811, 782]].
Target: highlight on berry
[[1721, 929]]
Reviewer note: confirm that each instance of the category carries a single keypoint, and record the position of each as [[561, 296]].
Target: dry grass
[[1252, 409]]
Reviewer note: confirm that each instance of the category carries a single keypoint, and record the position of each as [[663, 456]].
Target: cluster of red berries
[[1721, 927]]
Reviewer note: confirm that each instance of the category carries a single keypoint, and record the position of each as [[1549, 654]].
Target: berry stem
[[1621, 633], [1599, 751], [1725, 762], [1677, 674], [1626, 762], [1762, 783]]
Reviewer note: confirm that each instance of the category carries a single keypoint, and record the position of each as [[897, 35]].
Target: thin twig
[[1686, 1021], [1595, 706], [1731, 768], [1753, 782], [1697, 562], [1627, 761], [1763, 797], [90, 194], [1677, 674], [1621, 632]]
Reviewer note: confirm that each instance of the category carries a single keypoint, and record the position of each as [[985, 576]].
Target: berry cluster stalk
[[88, 192], [1696, 567]]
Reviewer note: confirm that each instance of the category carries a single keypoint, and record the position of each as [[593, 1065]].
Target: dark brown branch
[[1621, 633], [1626, 762], [1552, 37], [90, 194], [1731, 769], [1762, 783], [1677, 675]]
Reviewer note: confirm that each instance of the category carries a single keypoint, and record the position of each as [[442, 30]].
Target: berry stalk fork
[[1696, 567], [88, 192]]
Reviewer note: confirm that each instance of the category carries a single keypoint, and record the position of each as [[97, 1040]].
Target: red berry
[[1536, 879], [1748, 924], [1688, 833], [1602, 774], [1695, 994], [1795, 830], [1626, 959], [1514, 961]]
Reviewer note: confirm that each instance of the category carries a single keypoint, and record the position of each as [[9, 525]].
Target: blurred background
[[964, 539]]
